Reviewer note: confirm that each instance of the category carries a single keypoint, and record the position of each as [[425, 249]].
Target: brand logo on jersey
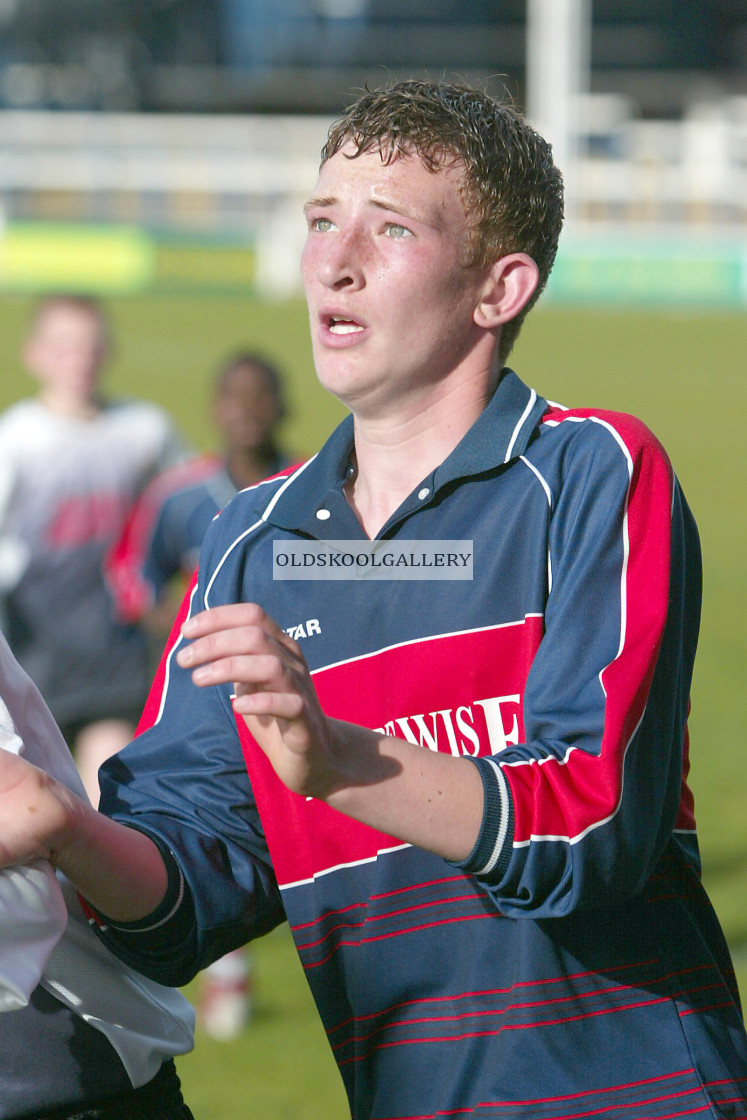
[[305, 629], [461, 730]]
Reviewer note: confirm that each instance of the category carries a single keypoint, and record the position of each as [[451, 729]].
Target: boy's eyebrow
[[323, 201], [319, 201], [403, 211]]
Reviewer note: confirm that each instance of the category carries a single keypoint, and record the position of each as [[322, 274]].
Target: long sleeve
[[184, 782], [595, 789]]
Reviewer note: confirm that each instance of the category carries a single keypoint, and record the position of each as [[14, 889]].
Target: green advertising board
[[122, 260], [651, 271]]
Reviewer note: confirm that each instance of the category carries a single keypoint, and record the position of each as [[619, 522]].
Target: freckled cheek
[[316, 257], [307, 266], [430, 295]]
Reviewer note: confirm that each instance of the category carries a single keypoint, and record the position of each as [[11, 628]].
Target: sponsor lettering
[[461, 730]]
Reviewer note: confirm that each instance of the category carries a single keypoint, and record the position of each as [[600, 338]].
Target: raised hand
[[240, 644], [421, 796]]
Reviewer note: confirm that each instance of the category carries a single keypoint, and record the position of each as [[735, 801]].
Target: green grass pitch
[[680, 371]]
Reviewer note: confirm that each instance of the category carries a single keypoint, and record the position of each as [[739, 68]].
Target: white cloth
[[32, 920], [44, 935]]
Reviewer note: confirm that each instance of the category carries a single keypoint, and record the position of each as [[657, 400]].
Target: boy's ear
[[509, 286]]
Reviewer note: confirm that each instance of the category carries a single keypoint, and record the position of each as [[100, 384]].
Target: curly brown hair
[[512, 190]]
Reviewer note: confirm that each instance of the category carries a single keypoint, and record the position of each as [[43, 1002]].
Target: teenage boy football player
[[468, 797]]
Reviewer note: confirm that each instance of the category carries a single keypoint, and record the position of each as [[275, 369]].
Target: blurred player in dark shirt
[[162, 542], [163, 535]]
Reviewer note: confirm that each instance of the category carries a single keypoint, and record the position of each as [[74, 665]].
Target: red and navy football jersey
[[572, 965]]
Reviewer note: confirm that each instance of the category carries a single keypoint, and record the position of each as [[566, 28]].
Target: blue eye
[[321, 225], [396, 231]]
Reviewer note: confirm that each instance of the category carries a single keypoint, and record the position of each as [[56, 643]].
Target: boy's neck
[[64, 404], [393, 456]]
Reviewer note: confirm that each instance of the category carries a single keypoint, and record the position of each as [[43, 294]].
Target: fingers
[[240, 644], [277, 705], [233, 616]]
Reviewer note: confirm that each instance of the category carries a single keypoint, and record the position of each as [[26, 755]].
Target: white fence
[[246, 176], [690, 172]]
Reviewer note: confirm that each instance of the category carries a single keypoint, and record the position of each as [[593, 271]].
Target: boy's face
[[65, 351], [391, 300], [246, 410]]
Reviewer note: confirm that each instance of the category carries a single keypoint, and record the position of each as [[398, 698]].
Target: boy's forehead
[[391, 150], [60, 314], [351, 164]]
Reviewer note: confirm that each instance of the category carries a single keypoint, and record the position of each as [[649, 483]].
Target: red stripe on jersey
[[91, 916], [654, 979], [126, 559], [574, 998], [389, 1022], [580, 1017], [393, 690], [517, 986], [565, 798], [612, 1089], [155, 696], [414, 888], [369, 920], [483, 916]]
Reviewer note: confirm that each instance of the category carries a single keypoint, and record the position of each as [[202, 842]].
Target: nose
[[341, 261]]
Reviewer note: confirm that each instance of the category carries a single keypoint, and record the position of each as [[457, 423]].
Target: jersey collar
[[313, 502]]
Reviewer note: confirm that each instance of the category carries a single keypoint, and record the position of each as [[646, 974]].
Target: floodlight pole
[[558, 65]]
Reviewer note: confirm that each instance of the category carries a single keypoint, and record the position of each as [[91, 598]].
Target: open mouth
[[338, 325]]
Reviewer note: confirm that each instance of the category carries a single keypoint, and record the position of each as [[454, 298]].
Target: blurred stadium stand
[[184, 133], [307, 55]]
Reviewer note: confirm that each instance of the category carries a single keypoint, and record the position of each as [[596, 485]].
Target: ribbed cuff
[[175, 911], [492, 851]]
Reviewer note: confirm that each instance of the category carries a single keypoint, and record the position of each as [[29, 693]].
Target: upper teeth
[[343, 326]]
